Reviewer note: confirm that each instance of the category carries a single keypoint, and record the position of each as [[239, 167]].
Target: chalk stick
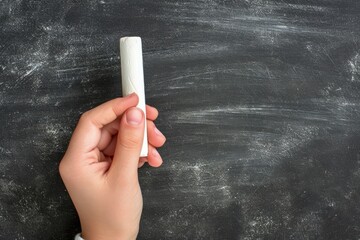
[[132, 74]]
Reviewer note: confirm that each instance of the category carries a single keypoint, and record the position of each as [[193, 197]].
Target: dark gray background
[[259, 100]]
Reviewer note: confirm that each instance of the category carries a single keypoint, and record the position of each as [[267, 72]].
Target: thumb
[[128, 147]]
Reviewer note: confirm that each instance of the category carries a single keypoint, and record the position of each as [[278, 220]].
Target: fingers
[[128, 146], [110, 149], [155, 137], [109, 111], [108, 140], [151, 113], [107, 134], [154, 159], [87, 133], [112, 128]]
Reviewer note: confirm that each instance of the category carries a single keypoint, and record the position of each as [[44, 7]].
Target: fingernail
[[134, 116], [155, 153], [157, 131], [130, 95]]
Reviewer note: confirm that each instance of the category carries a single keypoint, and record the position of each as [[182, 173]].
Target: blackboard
[[259, 100]]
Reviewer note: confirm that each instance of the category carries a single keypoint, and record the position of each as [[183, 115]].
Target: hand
[[99, 168]]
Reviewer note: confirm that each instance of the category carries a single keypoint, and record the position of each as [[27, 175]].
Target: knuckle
[[84, 117], [66, 169], [87, 117], [63, 169]]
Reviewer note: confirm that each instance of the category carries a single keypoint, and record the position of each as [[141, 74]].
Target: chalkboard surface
[[259, 100]]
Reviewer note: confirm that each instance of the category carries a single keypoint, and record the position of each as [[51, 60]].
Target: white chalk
[[132, 74]]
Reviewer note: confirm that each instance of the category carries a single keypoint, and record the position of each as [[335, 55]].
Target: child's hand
[[100, 166]]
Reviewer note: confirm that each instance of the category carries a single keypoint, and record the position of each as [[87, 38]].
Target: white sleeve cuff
[[78, 237]]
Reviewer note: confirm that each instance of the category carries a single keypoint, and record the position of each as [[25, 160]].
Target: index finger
[[87, 133], [109, 111]]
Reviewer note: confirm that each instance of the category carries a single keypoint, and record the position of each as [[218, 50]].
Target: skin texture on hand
[[100, 167]]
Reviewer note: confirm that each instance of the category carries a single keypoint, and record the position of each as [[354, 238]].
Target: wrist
[[86, 236], [94, 234]]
